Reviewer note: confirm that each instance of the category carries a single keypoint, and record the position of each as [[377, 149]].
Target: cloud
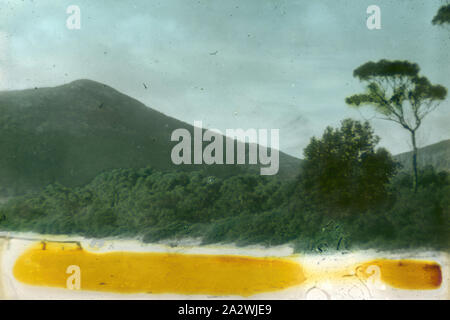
[[275, 61]]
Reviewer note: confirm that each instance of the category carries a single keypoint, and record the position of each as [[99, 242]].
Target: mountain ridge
[[436, 155], [72, 132]]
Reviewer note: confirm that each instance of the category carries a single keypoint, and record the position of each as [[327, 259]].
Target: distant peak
[[89, 85], [86, 82]]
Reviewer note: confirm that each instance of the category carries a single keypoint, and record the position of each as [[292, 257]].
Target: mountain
[[436, 155], [70, 133]]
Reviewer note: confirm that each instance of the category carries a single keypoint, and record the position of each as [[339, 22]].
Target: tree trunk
[[414, 160]]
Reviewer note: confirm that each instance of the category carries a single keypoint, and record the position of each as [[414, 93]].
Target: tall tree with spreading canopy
[[442, 16], [397, 92]]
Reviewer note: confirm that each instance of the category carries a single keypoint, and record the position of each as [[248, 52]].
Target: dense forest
[[348, 195]]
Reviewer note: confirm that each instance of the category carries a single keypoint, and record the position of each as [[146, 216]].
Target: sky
[[267, 64]]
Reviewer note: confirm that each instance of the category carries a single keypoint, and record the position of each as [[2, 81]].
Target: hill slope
[[436, 155], [71, 133]]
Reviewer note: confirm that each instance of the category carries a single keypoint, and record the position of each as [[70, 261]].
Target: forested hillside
[[436, 155], [71, 133]]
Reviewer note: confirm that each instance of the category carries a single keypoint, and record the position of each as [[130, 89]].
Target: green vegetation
[[71, 133], [436, 155], [442, 16], [399, 94], [344, 170], [248, 209]]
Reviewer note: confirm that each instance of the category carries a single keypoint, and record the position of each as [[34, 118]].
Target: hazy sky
[[278, 63]]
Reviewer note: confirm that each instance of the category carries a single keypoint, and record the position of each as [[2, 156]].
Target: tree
[[397, 92], [442, 16], [343, 169]]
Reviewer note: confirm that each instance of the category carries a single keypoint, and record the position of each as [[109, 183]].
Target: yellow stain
[[45, 264], [404, 274]]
